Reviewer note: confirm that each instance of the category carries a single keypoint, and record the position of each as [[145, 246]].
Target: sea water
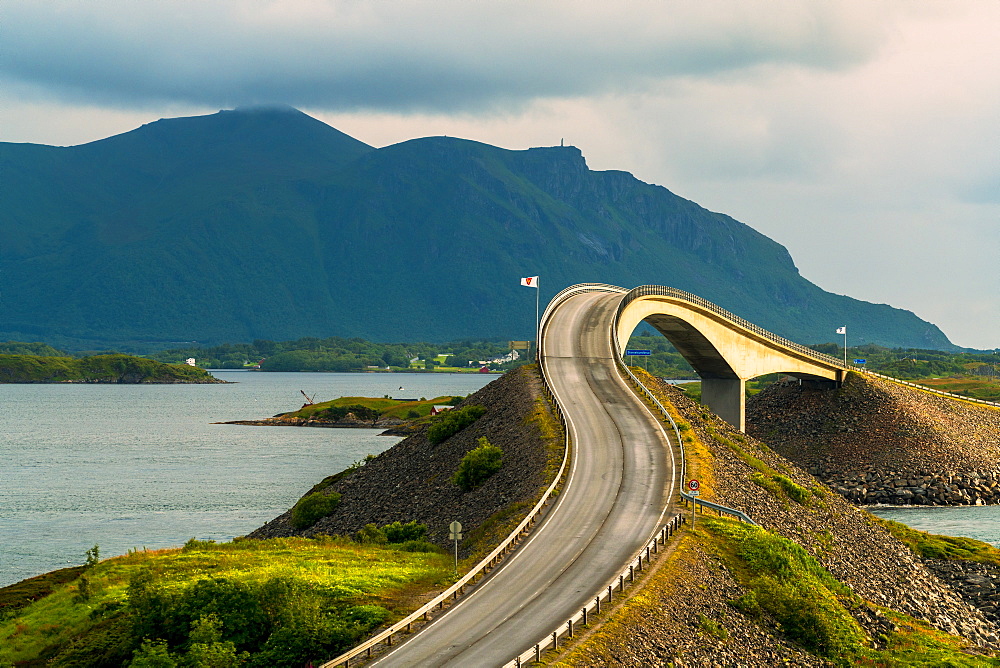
[[142, 466], [134, 466]]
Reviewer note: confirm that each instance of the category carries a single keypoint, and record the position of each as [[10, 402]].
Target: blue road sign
[[860, 361], [637, 352]]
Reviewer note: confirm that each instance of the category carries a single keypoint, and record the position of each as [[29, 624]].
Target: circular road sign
[[693, 485]]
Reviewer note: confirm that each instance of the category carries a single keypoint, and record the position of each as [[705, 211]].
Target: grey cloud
[[441, 56]]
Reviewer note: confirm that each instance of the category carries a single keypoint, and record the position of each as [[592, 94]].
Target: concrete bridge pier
[[727, 399]]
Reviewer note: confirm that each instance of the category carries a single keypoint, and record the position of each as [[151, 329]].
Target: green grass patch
[[767, 483], [375, 408], [692, 390], [712, 627], [785, 585], [783, 582], [933, 546], [795, 492], [279, 602]]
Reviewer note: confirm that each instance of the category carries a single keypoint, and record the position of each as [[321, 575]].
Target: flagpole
[[537, 322], [845, 346]]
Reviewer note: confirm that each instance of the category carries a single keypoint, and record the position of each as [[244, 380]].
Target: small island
[[115, 368], [399, 417]]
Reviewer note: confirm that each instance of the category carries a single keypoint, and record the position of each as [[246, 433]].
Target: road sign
[[693, 485], [695, 493], [638, 352], [456, 535], [860, 361]]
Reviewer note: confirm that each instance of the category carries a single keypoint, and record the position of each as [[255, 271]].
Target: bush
[[371, 534], [452, 422], [312, 508], [397, 532], [478, 465]]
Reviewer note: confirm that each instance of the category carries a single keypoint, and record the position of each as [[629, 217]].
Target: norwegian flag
[[530, 282]]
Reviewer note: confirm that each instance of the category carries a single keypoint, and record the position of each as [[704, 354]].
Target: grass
[[785, 585], [976, 388], [388, 408], [934, 546], [337, 576]]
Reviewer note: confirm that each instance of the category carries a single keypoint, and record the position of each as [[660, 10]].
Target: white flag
[[842, 330], [530, 282]]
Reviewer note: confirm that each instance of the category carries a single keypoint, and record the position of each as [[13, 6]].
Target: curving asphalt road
[[619, 481]]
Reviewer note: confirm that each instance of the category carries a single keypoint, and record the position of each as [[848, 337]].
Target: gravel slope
[[875, 441], [412, 480]]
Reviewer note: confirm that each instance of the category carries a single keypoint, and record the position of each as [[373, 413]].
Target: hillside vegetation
[[268, 224], [293, 592], [414, 480], [97, 369], [273, 604], [819, 583]]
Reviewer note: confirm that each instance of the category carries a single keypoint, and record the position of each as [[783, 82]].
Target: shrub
[[371, 534], [397, 532], [478, 465], [312, 508], [452, 422]]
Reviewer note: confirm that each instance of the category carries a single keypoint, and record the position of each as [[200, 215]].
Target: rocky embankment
[[684, 615], [412, 480], [978, 584], [877, 442]]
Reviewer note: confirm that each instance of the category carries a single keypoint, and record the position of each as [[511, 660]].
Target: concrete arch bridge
[[724, 349]]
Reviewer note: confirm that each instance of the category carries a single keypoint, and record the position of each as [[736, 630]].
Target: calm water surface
[[125, 466]]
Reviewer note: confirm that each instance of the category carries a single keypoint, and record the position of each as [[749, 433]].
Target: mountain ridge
[[267, 223]]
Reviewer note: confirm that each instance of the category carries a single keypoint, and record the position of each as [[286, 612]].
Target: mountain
[[267, 223]]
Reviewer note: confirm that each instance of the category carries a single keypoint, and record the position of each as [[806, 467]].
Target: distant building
[[440, 409], [509, 357], [189, 361]]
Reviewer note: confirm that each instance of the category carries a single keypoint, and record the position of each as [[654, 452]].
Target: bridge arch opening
[[723, 350]]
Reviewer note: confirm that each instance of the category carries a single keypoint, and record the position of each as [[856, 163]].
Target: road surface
[[620, 478]]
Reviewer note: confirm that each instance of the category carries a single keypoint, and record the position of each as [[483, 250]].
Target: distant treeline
[[340, 354], [914, 363], [30, 368]]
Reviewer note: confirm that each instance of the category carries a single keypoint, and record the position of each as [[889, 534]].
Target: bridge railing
[[651, 396], [674, 293], [481, 569], [950, 395], [562, 296], [603, 595]]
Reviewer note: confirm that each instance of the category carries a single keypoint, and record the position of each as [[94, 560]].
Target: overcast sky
[[864, 136]]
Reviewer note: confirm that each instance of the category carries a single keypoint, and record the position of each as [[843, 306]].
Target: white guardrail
[[479, 570], [950, 395]]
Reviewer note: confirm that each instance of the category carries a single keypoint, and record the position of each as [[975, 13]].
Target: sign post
[[693, 486], [456, 535], [638, 353]]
